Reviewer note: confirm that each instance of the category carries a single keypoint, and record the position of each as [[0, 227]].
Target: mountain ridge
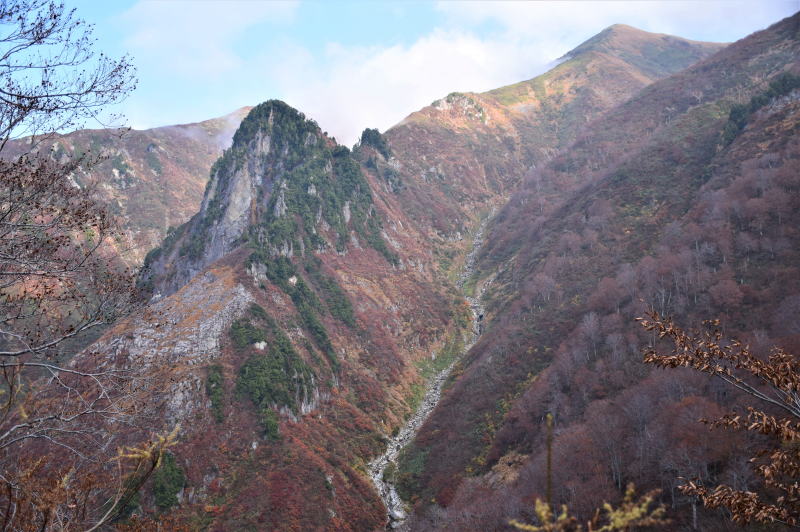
[[495, 138], [152, 179]]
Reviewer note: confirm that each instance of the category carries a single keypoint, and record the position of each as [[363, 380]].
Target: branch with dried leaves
[[51, 78], [58, 274], [60, 279], [775, 382], [40, 498]]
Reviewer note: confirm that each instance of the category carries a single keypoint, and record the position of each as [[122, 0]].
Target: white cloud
[[351, 88], [477, 46], [713, 20], [195, 39]]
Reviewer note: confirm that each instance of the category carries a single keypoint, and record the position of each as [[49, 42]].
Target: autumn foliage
[[60, 281], [775, 382], [642, 213], [632, 512]]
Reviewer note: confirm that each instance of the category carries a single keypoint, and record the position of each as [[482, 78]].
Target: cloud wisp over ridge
[[199, 60]]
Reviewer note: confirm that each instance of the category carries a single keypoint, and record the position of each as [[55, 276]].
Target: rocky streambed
[[395, 507]]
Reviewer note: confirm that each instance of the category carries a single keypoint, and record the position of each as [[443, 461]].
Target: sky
[[352, 65]]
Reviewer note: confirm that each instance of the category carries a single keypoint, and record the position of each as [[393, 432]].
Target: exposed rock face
[[184, 330], [281, 178], [227, 209]]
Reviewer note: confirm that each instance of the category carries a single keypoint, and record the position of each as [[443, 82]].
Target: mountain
[[682, 200], [299, 312], [296, 313], [465, 153], [153, 179]]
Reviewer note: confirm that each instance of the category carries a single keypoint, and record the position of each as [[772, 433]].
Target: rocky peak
[[283, 188], [271, 141]]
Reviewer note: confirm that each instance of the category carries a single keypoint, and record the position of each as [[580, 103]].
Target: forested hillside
[[467, 152], [304, 304], [682, 200], [295, 313]]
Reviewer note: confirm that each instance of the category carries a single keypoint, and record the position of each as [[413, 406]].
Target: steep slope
[[275, 186], [295, 312], [682, 200], [153, 179], [465, 153]]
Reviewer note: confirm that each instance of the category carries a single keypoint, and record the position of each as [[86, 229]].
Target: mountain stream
[[395, 507]]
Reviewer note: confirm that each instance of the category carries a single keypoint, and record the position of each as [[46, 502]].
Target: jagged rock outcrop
[[284, 187]]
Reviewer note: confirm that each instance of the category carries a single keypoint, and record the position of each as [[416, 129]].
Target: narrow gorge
[[436, 326], [384, 484]]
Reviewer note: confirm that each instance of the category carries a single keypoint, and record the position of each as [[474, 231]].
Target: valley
[[382, 468], [437, 328], [576, 269]]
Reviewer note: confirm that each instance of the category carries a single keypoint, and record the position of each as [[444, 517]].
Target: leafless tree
[[59, 280], [51, 78]]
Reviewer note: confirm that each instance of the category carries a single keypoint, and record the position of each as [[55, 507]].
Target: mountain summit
[[655, 55], [466, 151]]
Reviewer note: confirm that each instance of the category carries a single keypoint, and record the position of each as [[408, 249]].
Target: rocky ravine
[[395, 507]]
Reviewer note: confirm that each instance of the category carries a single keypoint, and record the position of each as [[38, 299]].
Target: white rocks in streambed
[[397, 514], [395, 508]]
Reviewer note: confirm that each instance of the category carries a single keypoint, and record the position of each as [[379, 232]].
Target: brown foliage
[[46, 497], [775, 382]]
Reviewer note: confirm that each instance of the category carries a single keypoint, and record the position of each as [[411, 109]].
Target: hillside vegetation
[[294, 311], [152, 179], [467, 152], [319, 279], [683, 200]]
